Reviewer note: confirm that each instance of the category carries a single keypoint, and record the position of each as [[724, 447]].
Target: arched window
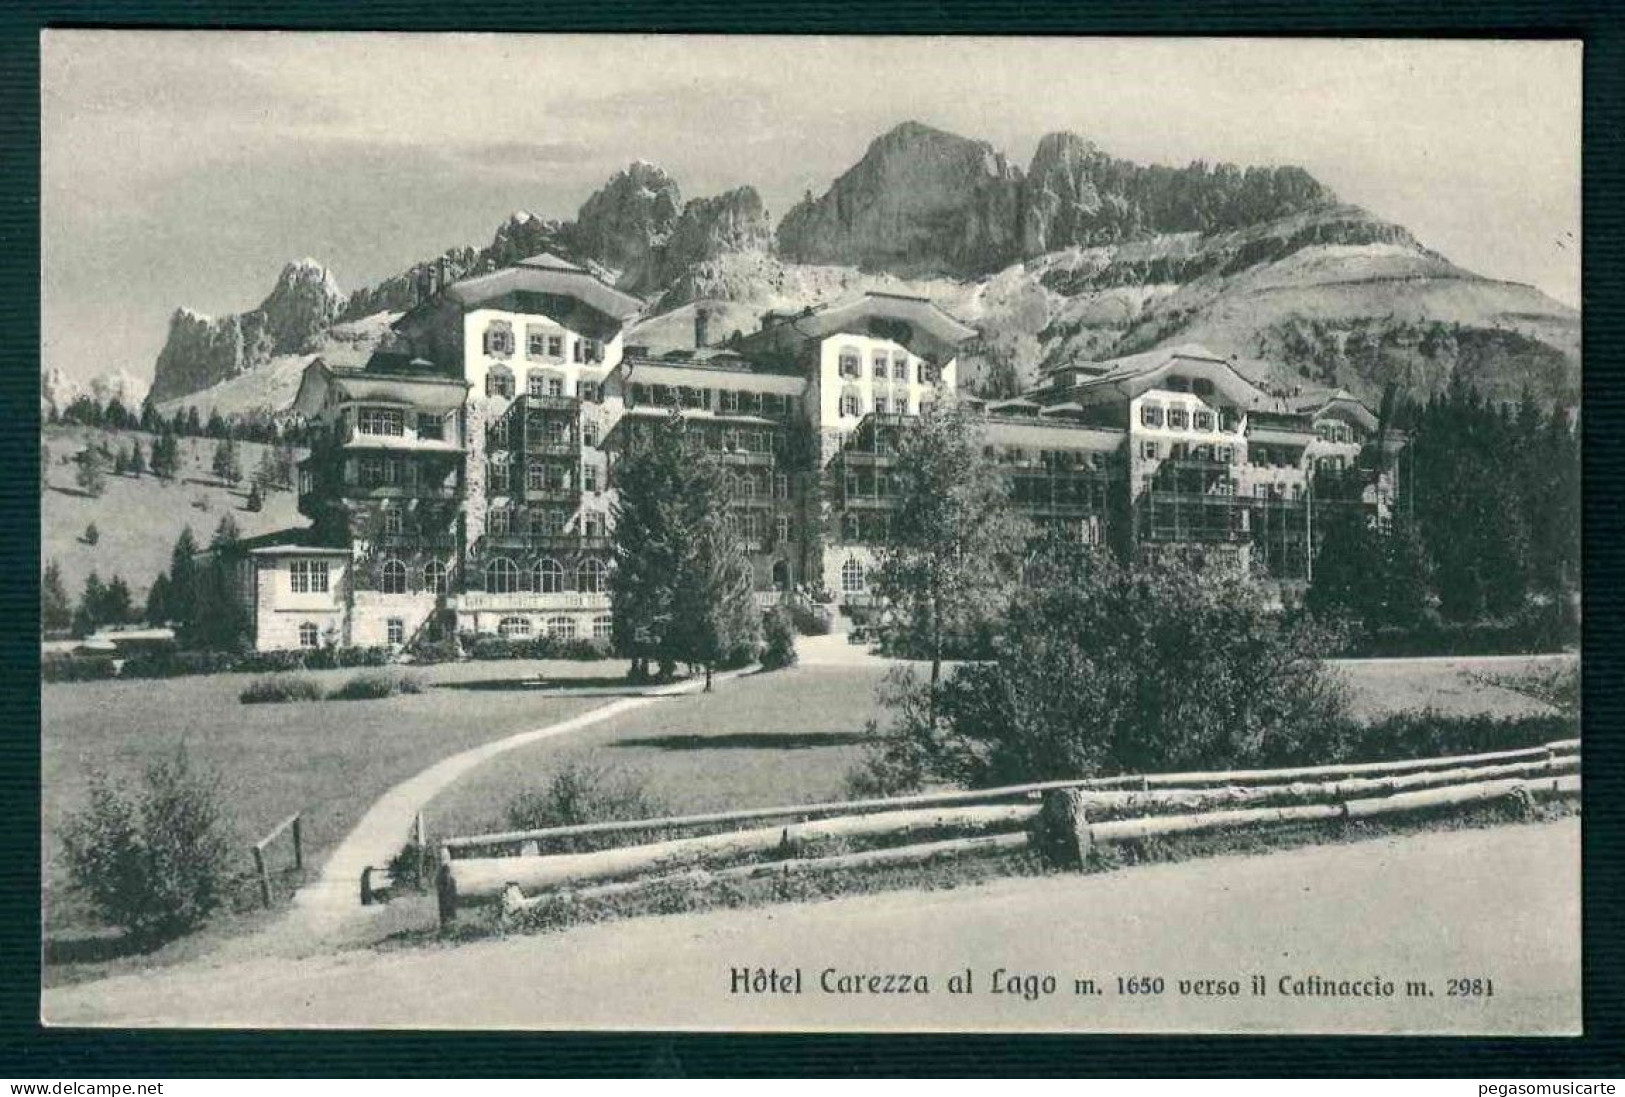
[[501, 576], [781, 575], [513, 628], [852, 576], [309, 635], [547, 577], [561, 628], [590, 575], [434, 577], [392, 577]]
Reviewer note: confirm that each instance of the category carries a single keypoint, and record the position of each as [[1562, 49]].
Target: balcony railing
[[528, 600], [746, 459], [546, 446], [547, 542], [445, 492], [418, 540], [551, 494], [539, 402]]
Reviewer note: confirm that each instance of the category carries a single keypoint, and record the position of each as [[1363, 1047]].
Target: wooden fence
[[1062, 820], [293, 825]]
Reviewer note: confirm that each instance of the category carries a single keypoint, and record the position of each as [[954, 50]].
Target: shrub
[[812, 620], [375, 684], [1109, 669], [581, 793], [173, 664], [583, 649], [1427, 733], [779, 636], [427, 652], [75, 668], [269, 661], [277, 688], [153, 862], [337, 658]]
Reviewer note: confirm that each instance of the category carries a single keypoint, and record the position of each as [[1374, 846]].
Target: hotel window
[[550, 522], [380, 421], [603, 627], [851, 404], [1204, 420], [589, 432], [561, 628], [592, 524], [928, 373], [536, 385], [499, 382], [392, 577], [1225, 455], [1151, 415], [850, 528], [499, 520], [395, 631], [378, 472], [781, 527], [536, 477], [1178, 419], [750, 526], [501, 576], [728, 401], [548, 577], [781, 486], [434, 577], [392, 521], [1262, 491], [431, 428], [512, 628], [591, 576], [309, 635], [589, 477], [590, 391], [536, 344], [499, 339], [882, 406], [307, 482], [899, 367], [1148, 450], [851, 362], [555, 346], [308, 576], [880, 365], [852, 576], [557, 432]]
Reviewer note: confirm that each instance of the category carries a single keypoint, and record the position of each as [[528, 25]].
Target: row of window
[[503, 576], [558, 628], [1177, 417], [723, 401], [395, 578], [852, 404], [1184, 451], [499, 342], [545, 522], [851, 365], [1334, 432], [499, 381], [391, 423]]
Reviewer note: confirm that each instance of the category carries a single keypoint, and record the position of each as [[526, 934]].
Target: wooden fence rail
[[451, 847], [1064, 819]]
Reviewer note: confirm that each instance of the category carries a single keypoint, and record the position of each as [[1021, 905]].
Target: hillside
[[140, 518], [1079, 256]]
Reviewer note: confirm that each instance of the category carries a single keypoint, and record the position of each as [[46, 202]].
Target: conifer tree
[[56, 609]]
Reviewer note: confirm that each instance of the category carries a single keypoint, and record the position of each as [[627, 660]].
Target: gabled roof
[[855, 315], [544, 274], [410, 385], [1135, 373]]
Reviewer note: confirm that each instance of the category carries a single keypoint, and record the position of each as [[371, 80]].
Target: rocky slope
[[1081, 256], [58, 390]]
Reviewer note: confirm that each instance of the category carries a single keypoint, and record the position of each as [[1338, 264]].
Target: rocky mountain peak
[[625, 222], [304, 302]]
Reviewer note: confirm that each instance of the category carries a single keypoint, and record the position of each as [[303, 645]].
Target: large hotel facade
[[463, 479]]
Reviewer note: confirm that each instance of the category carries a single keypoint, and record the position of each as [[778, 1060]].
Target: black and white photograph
[[819, 534]]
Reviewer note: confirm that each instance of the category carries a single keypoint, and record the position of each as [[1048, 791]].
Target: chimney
[[702, 327]]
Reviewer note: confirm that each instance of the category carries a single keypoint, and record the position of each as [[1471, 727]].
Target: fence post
[[420, 839], [265, 877], [1062, 830], [298, 843]]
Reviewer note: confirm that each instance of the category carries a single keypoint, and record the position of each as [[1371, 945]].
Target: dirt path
[[327, 912], [1501, 904]]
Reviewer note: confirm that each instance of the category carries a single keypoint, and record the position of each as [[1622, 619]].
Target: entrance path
[[328, 911]]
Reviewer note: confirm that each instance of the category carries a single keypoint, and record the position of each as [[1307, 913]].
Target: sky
[[186, 168]]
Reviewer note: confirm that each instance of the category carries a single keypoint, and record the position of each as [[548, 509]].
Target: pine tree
[[219, 619], [91, 475], [91, 535], [117, 606], [158, 612], [950, 554], [138, 463], [715, 601], [183, 572], [92, 605], [255, 502], [226, 465], [56, 610]]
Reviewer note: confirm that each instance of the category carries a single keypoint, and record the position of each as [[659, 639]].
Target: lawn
[[140, 517], [329, 760], [762, 740]]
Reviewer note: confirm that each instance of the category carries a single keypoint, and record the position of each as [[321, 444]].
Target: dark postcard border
[[28, 1051]]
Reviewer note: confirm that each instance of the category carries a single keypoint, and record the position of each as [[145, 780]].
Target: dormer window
[[899, 367], [1204, 420], [388, 421], [1151, 415], [851, 362], [880, 365], [1178, 419]]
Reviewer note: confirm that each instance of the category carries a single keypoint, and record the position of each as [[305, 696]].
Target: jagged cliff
[[1081, 256]]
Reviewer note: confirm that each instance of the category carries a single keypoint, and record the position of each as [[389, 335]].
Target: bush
[[1538, 629], [281, 687], [338, 658], [270, 661], [174, 664], [1109, 669], [427, 652], [1427, 733], [580, 793], [812, 620], [77, 668], [582, 649], [376, 684], [779, 636], [153, 862]]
